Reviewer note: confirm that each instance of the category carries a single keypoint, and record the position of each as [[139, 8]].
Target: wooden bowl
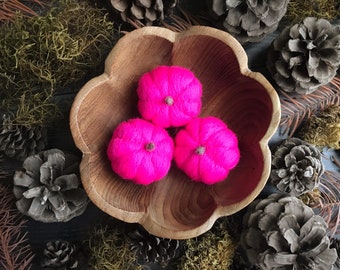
[[176, 207]]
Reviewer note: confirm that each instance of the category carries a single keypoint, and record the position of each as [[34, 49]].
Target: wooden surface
[[176, 207]]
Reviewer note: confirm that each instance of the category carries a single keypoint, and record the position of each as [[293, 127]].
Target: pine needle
[[3, 173], [335, 161], [328, 201], [181, 22], [297, 108], [15, 252], [175, 22], [10, 8]]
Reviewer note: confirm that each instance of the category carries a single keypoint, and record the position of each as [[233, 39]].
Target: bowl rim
[[143, 217]]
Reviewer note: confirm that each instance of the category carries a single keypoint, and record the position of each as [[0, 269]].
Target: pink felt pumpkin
[[140, 151], [206, 150], [169, 96]]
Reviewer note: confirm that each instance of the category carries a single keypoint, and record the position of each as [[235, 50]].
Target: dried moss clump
[[43, 53], [110, 249], [323, 129], [311, 198], [298, 9], [212, 250]]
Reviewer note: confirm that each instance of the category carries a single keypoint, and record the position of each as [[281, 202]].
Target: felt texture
[[169, 96], [140, 151], [206, 150]]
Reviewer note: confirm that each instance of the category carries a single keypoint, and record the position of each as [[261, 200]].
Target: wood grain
[[176, 207]]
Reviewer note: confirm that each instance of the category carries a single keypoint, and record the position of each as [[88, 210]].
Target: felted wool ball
[[140, 151], [206, 150], [169, 96]]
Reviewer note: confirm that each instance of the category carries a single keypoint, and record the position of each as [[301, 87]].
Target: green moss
[[299, 9], [311, 198], [43, 53], [323, 129], [109, 249], [213, 250]]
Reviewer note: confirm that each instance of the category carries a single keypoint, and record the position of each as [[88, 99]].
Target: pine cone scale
[[120, 5], [276, 241], [150, 15], [252, 23], [217, 7], [329, 55], [36, 208], [313, 64], [143, 3], [33, 192]]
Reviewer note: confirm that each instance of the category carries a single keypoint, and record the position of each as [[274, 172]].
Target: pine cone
[[59, 255], [239, 263], [335, 243], [147, 11], [20, 141], [249, 20], [296, 167], [153, 249], [47, 188], [280, 232], [305, 56]]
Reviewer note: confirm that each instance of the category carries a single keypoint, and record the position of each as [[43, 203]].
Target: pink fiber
[[206, 150], [140, 151], [169, 96]]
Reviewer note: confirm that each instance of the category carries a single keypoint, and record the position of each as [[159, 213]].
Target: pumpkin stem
[[150, 146], [200, 150], [169, 100]]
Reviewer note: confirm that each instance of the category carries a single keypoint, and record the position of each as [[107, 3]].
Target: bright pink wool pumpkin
[[169, 96], [206, 150], [140, 151]]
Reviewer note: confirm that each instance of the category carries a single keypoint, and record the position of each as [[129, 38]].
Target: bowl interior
[[174, 203]]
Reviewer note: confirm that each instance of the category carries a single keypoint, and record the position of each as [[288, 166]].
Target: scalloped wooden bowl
[[176, 207]]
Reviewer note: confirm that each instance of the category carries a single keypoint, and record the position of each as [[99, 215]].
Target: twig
[[335, 161], [15, 253], [297, 108], [9, 8], [328, 203]]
